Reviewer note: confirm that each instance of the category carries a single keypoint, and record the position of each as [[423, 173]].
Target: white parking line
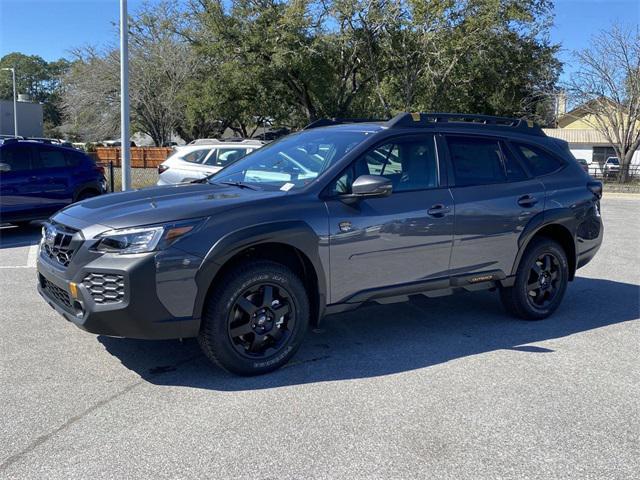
[[33, 256]]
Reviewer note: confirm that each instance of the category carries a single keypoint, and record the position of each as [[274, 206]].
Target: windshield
[[292, 162], [613, 161]]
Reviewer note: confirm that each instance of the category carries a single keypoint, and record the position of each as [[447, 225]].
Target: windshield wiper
[[238, 184]]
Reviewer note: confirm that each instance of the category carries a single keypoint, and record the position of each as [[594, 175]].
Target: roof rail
[[325, 122], [426, 119]]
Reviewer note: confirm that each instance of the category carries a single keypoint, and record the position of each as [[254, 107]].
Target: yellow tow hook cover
[[73, 288]]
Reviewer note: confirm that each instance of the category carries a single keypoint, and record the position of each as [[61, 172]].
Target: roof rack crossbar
[[426, 119], [324, 122]]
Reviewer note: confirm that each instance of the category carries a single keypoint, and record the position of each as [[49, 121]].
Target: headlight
[[143, 239]]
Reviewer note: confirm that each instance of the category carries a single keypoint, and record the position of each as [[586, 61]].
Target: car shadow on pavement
[[378, 340], [12, 236]]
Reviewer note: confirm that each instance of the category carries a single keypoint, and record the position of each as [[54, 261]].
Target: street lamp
[[15, 110], [124, 97]]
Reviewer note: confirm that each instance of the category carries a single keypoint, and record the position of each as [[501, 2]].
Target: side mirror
[[5, 167], [371, 186]]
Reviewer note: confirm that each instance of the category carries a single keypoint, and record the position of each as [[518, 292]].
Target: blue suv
[[38, 179]]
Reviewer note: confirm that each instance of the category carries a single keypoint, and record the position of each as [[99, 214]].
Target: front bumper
[[135, 312]]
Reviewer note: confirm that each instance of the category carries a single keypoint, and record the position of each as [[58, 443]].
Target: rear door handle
[[438, 210], [527, 201]]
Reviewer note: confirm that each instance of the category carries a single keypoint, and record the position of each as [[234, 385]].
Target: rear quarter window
[[197, 156], [73, 159], [538, 160]]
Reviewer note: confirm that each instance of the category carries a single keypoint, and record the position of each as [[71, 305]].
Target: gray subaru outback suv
[[323, 221]]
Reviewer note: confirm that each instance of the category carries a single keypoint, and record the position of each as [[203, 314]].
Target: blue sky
[[50, 28]]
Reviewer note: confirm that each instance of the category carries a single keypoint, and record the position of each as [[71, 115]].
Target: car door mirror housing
[[5, 167], [369, 186]]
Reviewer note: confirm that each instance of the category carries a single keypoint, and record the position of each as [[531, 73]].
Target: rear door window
[[48, 157], [476, 161], [16, 156], [515, 172], [226, 156], [538, 161]]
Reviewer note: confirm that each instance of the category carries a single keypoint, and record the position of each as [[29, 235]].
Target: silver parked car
[[202, 158]]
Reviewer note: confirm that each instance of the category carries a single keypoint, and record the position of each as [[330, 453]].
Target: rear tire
[[541, 281], [86, 194], [255, 318]]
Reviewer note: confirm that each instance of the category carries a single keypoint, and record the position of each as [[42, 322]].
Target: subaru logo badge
[[49, 235]]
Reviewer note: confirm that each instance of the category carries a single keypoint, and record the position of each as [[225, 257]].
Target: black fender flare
[[297, 234], [86, 186], [563, 217]]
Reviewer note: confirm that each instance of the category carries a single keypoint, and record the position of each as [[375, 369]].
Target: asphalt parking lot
[[435, 388]]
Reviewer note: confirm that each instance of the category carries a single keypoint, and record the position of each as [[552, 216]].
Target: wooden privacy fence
[[141, 157]]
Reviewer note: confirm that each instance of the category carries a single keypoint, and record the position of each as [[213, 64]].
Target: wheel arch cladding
[[293, 244], [85, 188], [556, 229]]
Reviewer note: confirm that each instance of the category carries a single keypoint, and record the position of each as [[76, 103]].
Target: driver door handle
[[527, 201], [438, 210]]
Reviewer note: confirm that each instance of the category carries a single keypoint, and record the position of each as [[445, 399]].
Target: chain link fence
[[609, 174], [144, 165], [140, 177]]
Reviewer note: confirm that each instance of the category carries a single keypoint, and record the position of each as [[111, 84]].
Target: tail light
[[162, 168], [100, 169], [595, 187]]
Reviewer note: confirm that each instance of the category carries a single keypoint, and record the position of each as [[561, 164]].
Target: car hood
[[161, 204]]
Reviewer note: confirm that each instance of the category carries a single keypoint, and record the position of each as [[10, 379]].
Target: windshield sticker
[[287, 186]]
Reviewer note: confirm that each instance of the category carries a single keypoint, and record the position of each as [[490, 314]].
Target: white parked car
[[203, 158], [611, 167]]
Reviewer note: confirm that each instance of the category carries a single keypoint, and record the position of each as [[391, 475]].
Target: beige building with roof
[[575, 127]]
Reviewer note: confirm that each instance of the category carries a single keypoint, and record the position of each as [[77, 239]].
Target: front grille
[[55, 292], [105, 287], [60, 243]]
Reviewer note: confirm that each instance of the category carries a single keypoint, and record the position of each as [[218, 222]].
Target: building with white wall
[[588, 144], [30, 118]]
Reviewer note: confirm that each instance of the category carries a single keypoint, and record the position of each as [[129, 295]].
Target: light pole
[[124, 97], [15, 109]]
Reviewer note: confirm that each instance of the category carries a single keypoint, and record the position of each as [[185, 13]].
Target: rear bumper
[[136, 313], [589, 236]]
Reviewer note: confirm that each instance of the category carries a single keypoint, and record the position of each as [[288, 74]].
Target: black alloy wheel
[[255, 318], [540, 283], [261, 320], [543, 283]]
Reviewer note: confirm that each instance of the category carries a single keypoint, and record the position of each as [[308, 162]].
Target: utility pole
[[124, 97], [15, 100]]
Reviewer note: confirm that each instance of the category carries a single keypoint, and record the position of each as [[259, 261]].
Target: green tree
[[39, 79], [375, 57], [160, 66]]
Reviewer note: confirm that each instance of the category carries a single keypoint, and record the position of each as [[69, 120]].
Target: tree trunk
[[625, 162]]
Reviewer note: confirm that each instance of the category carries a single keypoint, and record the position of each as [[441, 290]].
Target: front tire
[[255, 319], [541, 281]]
